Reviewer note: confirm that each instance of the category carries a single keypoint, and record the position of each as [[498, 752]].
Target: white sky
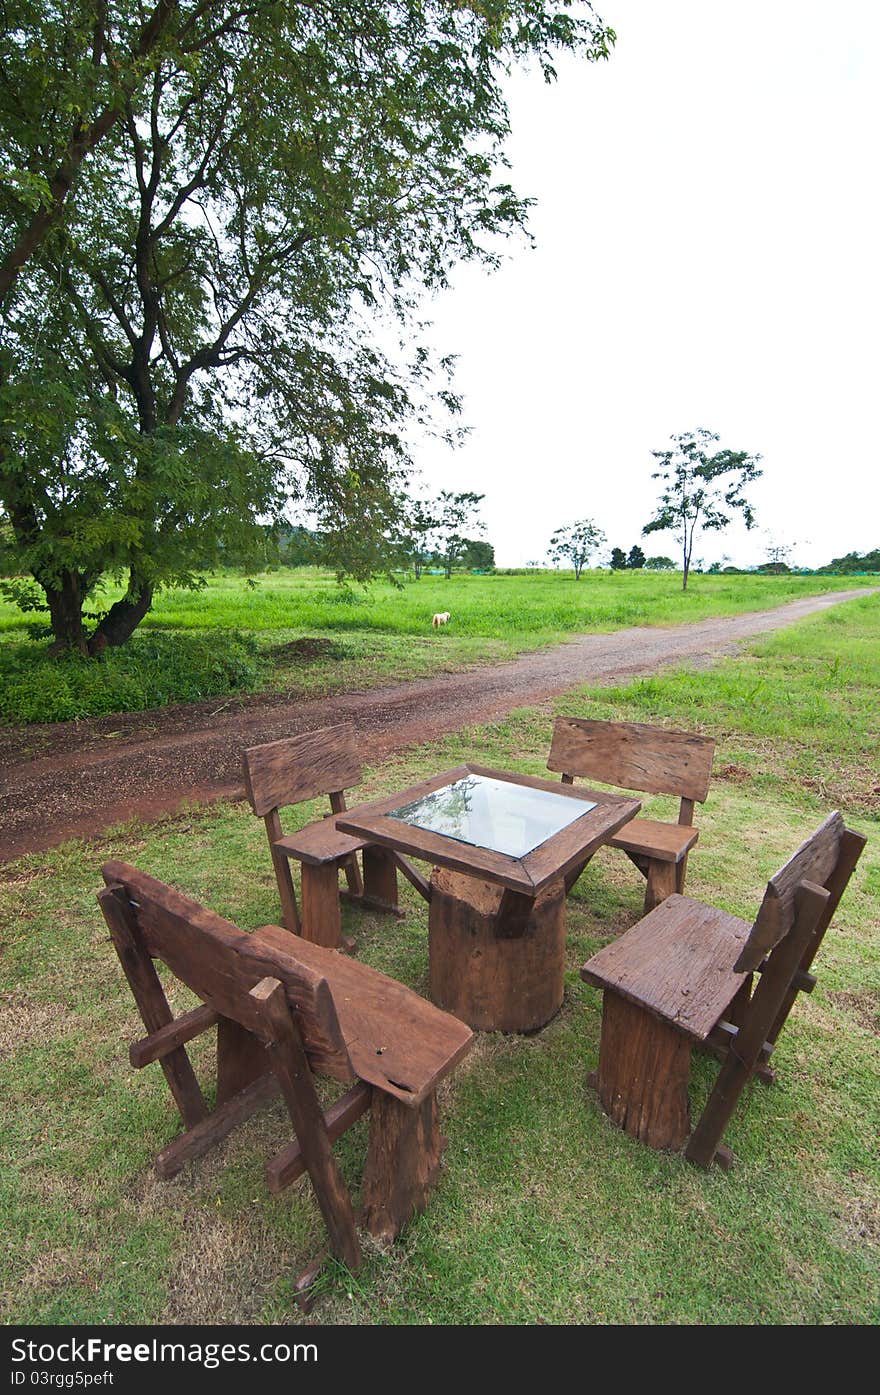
[[708, 245]]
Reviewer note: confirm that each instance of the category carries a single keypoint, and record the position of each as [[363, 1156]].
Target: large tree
[[701, 488], [455, 516], [194, 341]]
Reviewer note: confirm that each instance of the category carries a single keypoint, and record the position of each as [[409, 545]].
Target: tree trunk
[[123, 617], [65, 602]]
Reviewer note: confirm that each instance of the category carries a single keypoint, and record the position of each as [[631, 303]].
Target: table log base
[[496, 957]]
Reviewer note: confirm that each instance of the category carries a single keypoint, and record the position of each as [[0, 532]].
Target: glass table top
[[494, 814]]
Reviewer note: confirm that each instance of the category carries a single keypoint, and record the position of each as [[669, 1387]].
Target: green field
[[544, 1212], [298, 632]]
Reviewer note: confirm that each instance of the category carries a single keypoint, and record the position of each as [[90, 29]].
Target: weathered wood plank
[[633, 756], [301, 767], [177, 1033], [677, 963], [644, 1069]]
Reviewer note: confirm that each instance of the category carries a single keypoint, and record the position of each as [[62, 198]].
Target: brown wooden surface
[[241, 1059], [321, 915], [294, 1076], [301, 767], [676, 963], [662, 883], [395, 1039], [492, 974], [809, 902], [217, 961], [644, 1069], [177, 1033], [319, 843], [380, 876], [551, 860], [814, 861], [289, 909], [851, 848], [149, 995], [633, 756], [403, 1160], [664, 842]]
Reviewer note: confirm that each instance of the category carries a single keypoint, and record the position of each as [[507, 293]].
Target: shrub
[[152, 670]]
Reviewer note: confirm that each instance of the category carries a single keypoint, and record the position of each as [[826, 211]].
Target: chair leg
[[681, 874], [644, 1069], [294, 1075], [353, 876], [380, 878], [321, 913], [281, 863], [405, 1150], [152, 1004], [661, 883]]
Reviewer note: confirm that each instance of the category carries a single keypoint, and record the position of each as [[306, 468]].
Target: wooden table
[[505, 849]]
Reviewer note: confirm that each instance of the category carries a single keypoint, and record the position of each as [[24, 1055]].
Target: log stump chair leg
[[405, 1151], [380, 878], [644, 1069], [661, 883], [321, 912], [291, 1067]]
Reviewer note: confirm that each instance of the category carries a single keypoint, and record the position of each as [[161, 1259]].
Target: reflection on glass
[[494, 814]]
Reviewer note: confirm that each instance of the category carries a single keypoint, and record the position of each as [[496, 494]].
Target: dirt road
[[79, 778]]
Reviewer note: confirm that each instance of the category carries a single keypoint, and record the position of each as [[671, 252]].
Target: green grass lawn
[[544, 1212], [297, 632]]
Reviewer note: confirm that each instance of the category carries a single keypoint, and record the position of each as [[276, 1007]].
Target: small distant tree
[[659, 564], [618, 559], [455, 517], [700, 489], [636, 559], [575, 544]]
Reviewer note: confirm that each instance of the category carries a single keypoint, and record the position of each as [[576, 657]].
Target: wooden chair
[[285, 1008], [648, 760], [323, 762], [684, 976]]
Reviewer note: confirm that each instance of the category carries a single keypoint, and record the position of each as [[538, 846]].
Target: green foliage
[[618, 559], [700, 489], [276, 187], [659, 564], [854, 562], [454, 515], [575, 544], [155, 669], [478, 555], [636, 559]]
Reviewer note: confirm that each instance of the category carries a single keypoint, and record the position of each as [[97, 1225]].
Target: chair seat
[[677, 963], [319, 843], [665, 842], [397, 1040]]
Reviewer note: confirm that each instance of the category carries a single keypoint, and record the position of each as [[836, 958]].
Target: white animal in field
[[441, 618]]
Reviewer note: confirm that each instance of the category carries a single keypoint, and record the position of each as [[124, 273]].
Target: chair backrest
[[816, 861], [221, 964], [301, 767], [633, 756]]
